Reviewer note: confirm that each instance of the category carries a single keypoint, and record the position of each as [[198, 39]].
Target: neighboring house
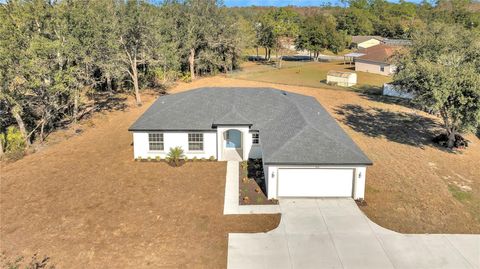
[[363, 42], [377, 59], [304, 151], [342, 78]]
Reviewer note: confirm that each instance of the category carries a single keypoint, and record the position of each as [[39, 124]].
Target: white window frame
[[156, 141], [382, 68], [198, 140], [257, 138]]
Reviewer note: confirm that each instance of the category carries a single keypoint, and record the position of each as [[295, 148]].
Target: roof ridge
[[326, 134], [288, 141], [303, 118]]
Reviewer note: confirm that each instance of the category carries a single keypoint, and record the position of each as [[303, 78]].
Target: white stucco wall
[[374, 68], [271, 176], [213, 144], [171, 140]]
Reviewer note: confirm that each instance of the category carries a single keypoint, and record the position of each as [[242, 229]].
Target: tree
[[197, 24], [211, 38], [264, 35], [13, 44], [135, 39], [355, 21], [57, 58], [442, 70], [284, 24], [318, 33], [246, 33]]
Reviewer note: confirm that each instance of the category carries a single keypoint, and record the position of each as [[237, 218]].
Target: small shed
[[342, 78]]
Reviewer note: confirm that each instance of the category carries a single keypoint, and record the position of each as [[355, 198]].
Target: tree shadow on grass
[[375, 93], [405, 128]]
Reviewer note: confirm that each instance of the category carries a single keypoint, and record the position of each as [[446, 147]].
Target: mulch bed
[[252, 184]]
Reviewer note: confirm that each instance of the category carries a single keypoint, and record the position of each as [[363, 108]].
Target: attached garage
[[315, 182]]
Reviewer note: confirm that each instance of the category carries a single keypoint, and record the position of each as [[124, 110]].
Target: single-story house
[[377, 59], [305, 153], [363, 41], [342, 78]]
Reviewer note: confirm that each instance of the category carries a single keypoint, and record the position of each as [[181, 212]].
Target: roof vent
[[284, 93]]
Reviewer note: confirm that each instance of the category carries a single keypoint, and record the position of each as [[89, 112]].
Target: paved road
[[334, 233]]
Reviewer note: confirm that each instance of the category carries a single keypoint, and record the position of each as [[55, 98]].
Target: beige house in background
[[363, 42], [377, 59]]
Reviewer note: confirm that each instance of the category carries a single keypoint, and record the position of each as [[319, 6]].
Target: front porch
[[234, 143]]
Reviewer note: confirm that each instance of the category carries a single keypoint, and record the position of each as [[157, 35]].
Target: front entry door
[[233, 139]]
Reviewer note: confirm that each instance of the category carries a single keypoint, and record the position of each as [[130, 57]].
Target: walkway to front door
[[230, 154]]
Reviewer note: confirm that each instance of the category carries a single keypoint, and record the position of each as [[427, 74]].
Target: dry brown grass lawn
[[87, 204]]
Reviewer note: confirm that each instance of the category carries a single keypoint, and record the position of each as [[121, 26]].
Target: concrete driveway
[[334, 233]]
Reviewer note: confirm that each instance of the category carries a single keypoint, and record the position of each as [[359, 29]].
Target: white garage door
[[315, 182]]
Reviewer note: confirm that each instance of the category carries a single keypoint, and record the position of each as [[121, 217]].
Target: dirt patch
[[252, 187], [85, 203]]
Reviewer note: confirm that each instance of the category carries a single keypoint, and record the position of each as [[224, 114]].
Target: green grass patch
[[370, 189], [308, 74], [459, 194]]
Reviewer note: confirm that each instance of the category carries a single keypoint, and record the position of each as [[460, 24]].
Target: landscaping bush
[[244, 165], [158, 76], [175, 155], [186, 78], [13, 143], [212, 158]]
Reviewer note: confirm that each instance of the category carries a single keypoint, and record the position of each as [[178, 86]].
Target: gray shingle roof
[[294, 128]]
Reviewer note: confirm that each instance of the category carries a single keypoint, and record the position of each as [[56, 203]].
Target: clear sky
[[278, 3]]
